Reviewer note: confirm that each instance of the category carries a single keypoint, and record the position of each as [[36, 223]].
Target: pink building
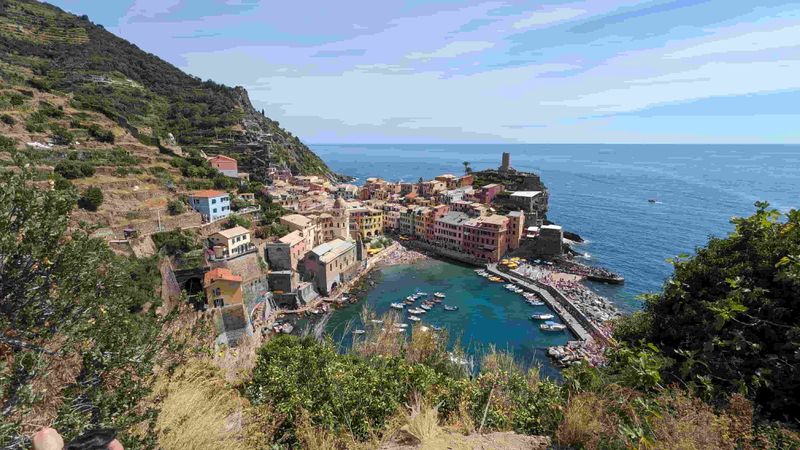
[[488, 192], [486, 238], [225, 164]]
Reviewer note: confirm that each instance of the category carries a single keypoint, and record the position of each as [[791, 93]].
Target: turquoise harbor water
[[599, 191], [487, 314]]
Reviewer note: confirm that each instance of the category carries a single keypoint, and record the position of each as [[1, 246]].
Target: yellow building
[[222, 288], [368, 222]]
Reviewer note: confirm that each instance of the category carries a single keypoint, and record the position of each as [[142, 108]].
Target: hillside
[[48, 50]]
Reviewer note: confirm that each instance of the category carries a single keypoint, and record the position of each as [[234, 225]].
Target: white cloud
[[540, 18], [755, 41], [453, 49]]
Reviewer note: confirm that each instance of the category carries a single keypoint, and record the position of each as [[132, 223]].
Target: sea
[[602, 192]]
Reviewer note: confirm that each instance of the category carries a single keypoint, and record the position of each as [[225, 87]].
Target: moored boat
[[543, 316], [426, 307], [450, 308], [439, 294], [397, 305], [359, 331], [552, 326], [414, 318]]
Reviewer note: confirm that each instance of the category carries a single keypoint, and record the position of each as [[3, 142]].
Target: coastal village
[[335, 233]]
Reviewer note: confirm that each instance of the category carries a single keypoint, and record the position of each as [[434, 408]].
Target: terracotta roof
[[297, 219], [207, 193], [222, 157], [220, 274]]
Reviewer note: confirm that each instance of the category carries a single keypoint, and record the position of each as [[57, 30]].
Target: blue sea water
[[601, 192]]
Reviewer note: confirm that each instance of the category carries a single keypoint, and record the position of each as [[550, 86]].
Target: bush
[[7, 144], [16, 100], [91, 199], [101, 135], [175, 242], [8, 120], [60, 135], [728, 316], [273, 229], [72, 170], [238, 221], [176, 206]]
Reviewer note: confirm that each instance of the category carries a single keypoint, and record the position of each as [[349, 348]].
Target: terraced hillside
[[46, 50]]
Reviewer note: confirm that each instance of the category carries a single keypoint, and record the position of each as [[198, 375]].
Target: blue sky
[[723, 71]]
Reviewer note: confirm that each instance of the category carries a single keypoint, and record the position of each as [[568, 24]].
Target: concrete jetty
[[569, 320]]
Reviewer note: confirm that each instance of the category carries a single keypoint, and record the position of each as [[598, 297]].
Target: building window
[[213, 201]]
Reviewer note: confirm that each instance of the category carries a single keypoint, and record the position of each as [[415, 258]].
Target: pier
[[566, 316]]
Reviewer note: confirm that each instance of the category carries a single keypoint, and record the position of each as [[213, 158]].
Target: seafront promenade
[[574, 325]]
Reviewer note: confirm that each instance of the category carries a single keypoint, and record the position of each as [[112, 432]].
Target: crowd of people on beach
[[401, 255], [597, 308]]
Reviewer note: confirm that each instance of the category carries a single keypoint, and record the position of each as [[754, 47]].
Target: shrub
[[60, 135], [99, 134], [72, 170], [273, 229], [175, 242], [91, 199], [7, 144], [238, 221], [176, 206], [16, 100], [8, 120]]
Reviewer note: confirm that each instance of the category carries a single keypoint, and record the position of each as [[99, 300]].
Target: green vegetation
[[91, 199], [240, 221], [273, 229], [72, 170], [7, 144], [8, 120], [78, 341], [176, 206], [176, 242], [54, 51], [727, 320], [97, 133]]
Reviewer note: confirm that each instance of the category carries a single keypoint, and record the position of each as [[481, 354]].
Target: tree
[[467, 168], [68, 306], [728, 316], [176, 206], [72, 170], [91, 199]]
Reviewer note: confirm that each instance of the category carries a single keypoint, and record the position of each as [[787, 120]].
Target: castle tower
[[506, 165]]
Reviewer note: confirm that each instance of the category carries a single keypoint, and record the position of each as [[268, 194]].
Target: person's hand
[[48, 439]]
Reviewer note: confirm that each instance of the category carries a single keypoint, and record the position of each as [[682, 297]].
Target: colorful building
[[331, 264], [231, 243], [287, 252], [486, 238], [516, 228], [368, 222], [222, 288], [225, 164], [212, 205], [489, 192], [449, 231]]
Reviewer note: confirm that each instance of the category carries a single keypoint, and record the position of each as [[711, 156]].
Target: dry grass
[[422, 420], [237, 363], [199, 410], [581, 424]]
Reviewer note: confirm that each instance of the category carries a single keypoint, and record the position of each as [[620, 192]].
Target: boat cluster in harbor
[[409, 304], [530, 298]]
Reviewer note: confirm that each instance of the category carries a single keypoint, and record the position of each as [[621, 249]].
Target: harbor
[[487, 315]]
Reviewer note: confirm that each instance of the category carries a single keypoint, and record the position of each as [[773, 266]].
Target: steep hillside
[[47, 49]]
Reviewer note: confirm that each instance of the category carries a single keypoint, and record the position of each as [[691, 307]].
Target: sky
[[471, 71]]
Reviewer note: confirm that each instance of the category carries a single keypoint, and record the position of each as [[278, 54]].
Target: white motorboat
[[552, 326], [414, 318], [439, 295], [417, 311], [544, 316], [398, 305], [359, 331], [378, 321], [535, 303], [426, 307], [450, 308], [401, 325]]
